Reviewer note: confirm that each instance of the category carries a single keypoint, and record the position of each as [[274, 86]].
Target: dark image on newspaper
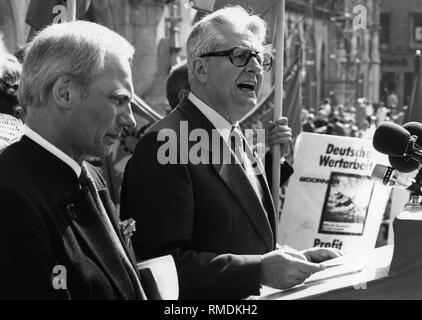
[[346, 204]]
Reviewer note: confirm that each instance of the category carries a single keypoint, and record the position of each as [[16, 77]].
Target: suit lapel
[[111, 213], [238, 183], [268, 199], [109, 207], [233, 176], [91, 232], [269, 205]]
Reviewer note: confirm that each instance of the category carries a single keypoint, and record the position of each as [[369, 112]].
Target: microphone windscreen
[[391, 139], [415, 129], [408, 165], [403, 165]]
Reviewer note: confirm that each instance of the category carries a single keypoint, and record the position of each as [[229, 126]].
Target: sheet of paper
[[349, 270], [160, 277], [336, 267]]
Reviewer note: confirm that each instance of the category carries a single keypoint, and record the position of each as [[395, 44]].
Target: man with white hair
[[216, 218], [59, 232]]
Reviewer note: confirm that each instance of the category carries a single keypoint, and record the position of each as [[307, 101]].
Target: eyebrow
[[121, 94]]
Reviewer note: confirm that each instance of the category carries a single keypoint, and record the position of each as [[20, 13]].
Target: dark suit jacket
[[207, 216], [46, 220]]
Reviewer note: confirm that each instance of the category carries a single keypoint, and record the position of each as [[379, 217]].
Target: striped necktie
[[246, 158]]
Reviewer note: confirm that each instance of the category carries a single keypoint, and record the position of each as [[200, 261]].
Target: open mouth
[[247, 86]]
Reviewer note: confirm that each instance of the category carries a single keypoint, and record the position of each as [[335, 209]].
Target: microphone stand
[[415, 197], [407, 226], [413, 150]]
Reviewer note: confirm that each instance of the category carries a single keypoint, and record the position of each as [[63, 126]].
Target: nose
[[126, 118], [254, 65]]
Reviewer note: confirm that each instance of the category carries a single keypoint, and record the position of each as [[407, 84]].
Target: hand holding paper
[[321, 254], [282, 270], [345, 264]]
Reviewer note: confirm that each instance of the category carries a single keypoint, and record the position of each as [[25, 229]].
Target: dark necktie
[[86, 180]]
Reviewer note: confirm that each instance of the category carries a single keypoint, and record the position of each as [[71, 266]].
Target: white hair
[[207, 33], [77, 49]]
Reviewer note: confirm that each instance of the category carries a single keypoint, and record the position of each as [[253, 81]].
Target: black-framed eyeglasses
[[240, 57]]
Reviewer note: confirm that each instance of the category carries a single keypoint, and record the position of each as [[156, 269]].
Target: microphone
[[397, 142], [414, 128], [403, 164], [392, 139], [388, 176]]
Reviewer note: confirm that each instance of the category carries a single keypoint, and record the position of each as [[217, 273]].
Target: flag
[[263, 112], [264, 8], [414, 112], [292, 99], [40, 12]]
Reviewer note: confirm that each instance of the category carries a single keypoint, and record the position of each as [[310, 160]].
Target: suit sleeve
[[161, 198], [26, 256]]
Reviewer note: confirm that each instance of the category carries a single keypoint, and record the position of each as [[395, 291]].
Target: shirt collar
[[218, 121], [31, 134]]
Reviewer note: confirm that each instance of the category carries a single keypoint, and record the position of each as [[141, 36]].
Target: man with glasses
[[216, 217]]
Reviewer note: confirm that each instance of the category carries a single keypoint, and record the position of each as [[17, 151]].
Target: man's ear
[[200, 70], [61, 91]]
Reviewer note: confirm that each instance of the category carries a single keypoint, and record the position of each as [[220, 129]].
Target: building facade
[[339, 43], [400, 37]]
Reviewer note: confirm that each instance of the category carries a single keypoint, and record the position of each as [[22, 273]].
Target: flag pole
[[71, 10], [410, 112], [278, 101]]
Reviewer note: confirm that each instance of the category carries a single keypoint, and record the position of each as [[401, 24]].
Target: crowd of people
[[358, 120]]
